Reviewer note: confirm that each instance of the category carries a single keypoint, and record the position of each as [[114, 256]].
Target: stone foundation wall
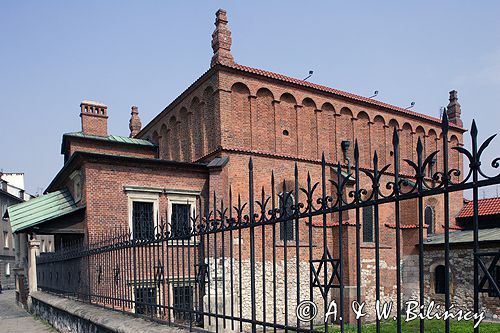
[[266, 308], [461, 283], [388, 289], [410, 280]]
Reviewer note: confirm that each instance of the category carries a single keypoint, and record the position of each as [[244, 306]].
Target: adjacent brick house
[[202, 142]]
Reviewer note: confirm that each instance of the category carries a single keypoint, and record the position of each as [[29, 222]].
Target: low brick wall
[[70, 316]]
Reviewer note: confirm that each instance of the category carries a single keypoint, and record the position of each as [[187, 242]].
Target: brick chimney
[[94, 118], [135, 122], [454, 110], [221, 40]]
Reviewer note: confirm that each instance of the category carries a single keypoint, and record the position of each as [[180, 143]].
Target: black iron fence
[[250, 266]]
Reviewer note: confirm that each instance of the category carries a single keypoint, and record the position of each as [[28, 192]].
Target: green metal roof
[[465, 236], [41, 209], [112, 138]]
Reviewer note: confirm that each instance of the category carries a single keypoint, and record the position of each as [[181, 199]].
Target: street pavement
[[14, 319]]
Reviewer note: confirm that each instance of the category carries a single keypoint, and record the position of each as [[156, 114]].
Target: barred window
[[182, 302], [439, 279], [287, 227], [142, 220], [180, 221], [429, 219], [145, 301], [368, 224]]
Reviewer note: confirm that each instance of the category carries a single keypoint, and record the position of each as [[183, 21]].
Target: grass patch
[[431, 326]]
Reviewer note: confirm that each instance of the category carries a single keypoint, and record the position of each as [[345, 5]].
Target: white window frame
[[181, 199], [142, 197], [7, 269]]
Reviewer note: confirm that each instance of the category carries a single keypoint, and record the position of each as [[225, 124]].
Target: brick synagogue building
[[201, 144]]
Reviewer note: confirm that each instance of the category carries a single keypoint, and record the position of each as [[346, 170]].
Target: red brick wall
[[298, 110], [253, 113], [276, 123], [107, 203]]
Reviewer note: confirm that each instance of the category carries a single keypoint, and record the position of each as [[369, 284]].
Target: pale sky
[[54, 54]]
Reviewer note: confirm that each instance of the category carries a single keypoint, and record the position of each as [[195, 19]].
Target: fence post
[[34, 251]]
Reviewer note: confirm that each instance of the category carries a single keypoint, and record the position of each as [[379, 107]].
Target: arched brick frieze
[[155, 138], [327, 132], [185, 134], [286, 130], [379, 145], [420, 134], [308, 131], [363, 138], [432, 146], [345, 131], [240, 130], [173, 138], [199, 128], [164, 143], [406, 147], [393, 124], [211, 128], [264, 132]]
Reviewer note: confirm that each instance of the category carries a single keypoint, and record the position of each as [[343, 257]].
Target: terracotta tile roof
[[336, 92], [490, 206]]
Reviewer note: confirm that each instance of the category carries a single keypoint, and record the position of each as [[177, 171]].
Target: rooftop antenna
[[375, 93], [310, 74], [412, 104]]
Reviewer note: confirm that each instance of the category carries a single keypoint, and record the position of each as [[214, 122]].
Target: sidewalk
[[14, 319]]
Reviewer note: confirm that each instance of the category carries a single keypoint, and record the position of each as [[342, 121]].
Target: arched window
[[429, 219], [287, 228], [439, 279], [368, 224]]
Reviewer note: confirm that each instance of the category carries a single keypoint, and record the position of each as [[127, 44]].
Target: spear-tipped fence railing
[[247, 266]]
